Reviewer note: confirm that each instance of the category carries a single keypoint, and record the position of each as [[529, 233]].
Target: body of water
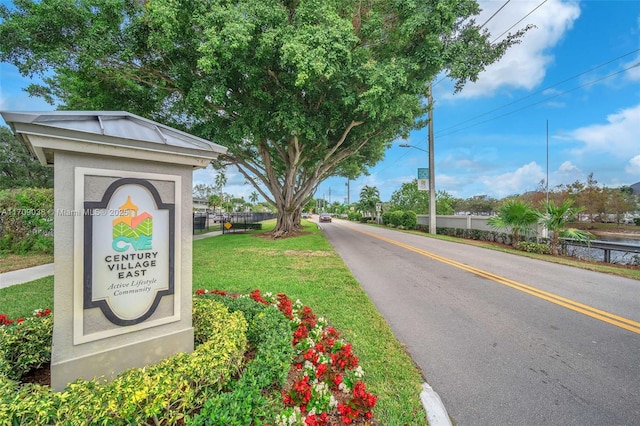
[[618, 257]]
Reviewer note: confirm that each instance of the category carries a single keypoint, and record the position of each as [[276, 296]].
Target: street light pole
[[432, 174], [432, 197]]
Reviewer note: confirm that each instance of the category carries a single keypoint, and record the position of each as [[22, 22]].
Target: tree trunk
[[288, 221], [555, 241]]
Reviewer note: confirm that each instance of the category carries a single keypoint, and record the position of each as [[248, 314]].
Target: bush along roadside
[[212, 386], [158, 394], [26, 220], [328, 378]]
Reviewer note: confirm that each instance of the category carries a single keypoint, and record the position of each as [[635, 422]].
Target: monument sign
[[122, 237]]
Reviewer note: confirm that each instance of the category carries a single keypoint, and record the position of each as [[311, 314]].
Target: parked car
[[305, 215], [325, 217]]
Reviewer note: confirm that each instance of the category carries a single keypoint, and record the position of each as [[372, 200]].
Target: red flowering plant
[[326, 365], [4, 320], [329, 378], [30, 336]]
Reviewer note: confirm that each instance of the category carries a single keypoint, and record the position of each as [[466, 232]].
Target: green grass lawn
[[305, 268]]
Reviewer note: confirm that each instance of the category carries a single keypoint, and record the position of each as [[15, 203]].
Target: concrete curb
[[436, 413]]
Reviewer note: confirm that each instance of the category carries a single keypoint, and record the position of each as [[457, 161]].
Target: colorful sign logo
[[132, 230], [129, 249]]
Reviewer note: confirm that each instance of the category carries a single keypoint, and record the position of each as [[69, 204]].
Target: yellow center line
[[590, 311]]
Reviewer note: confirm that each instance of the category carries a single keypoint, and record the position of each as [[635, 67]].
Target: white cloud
[[568, 167], [619, 137], [633, 168], [633, 74], [567, 173], [526, 178], [524, 65]]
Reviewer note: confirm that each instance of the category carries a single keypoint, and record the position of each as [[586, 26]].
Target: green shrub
[[161, 392], [531, 247], [26, 220], [354, 216], [409, 220], [25, 346], [247, 403], [386, 218], [395, 218]]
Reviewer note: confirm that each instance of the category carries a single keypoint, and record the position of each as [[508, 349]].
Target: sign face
[[423, 184], [423, 173], [129, 246]]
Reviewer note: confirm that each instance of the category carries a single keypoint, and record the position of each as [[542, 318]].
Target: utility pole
[[432, 181], [547, 161], [348, 200], [432, 174]]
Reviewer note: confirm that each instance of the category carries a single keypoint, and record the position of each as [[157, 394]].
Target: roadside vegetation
[[305, 268], [632, 272]]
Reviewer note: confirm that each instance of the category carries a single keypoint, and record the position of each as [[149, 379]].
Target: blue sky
[[578, 70]]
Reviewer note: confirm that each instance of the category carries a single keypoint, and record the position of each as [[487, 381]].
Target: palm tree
[[369, 196], [253, 197], [555, 218], [221, 181], [515, 216], [214, 201]]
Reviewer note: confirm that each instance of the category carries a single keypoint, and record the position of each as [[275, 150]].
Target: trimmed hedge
[[25, 346], [400, 219], [255, 398], [163, 392], [166, 392]]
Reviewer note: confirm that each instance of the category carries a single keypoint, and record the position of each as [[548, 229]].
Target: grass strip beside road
[[21, 300], [305, 268]]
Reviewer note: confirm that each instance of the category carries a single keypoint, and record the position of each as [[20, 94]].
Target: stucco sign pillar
[[122, 237]]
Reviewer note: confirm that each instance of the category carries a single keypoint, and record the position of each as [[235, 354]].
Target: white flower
[[333, 403], [321, 388]]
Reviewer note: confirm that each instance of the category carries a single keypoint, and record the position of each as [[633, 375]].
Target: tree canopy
[[298, 90], [17, 168]]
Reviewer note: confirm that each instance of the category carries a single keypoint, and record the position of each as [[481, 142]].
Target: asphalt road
[[504, 340]]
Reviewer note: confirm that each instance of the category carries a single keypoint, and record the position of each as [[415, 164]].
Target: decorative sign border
[[89, 301], [84, 302]]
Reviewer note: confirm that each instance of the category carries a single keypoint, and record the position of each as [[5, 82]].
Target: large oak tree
[[298, 90]]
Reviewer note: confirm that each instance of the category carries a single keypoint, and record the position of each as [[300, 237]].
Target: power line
[[523, 18], [545, 100], [541, 90], [494, 14], [490, 18]]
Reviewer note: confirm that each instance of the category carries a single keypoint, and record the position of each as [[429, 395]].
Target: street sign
[[378, 207], [423, 184], [423, 173]]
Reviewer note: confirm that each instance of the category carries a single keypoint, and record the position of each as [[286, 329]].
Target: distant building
[[200, 204]]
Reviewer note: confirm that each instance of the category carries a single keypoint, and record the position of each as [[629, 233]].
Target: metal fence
[[215, 222]]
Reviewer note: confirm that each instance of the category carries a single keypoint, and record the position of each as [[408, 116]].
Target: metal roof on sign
[[112, 128]]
